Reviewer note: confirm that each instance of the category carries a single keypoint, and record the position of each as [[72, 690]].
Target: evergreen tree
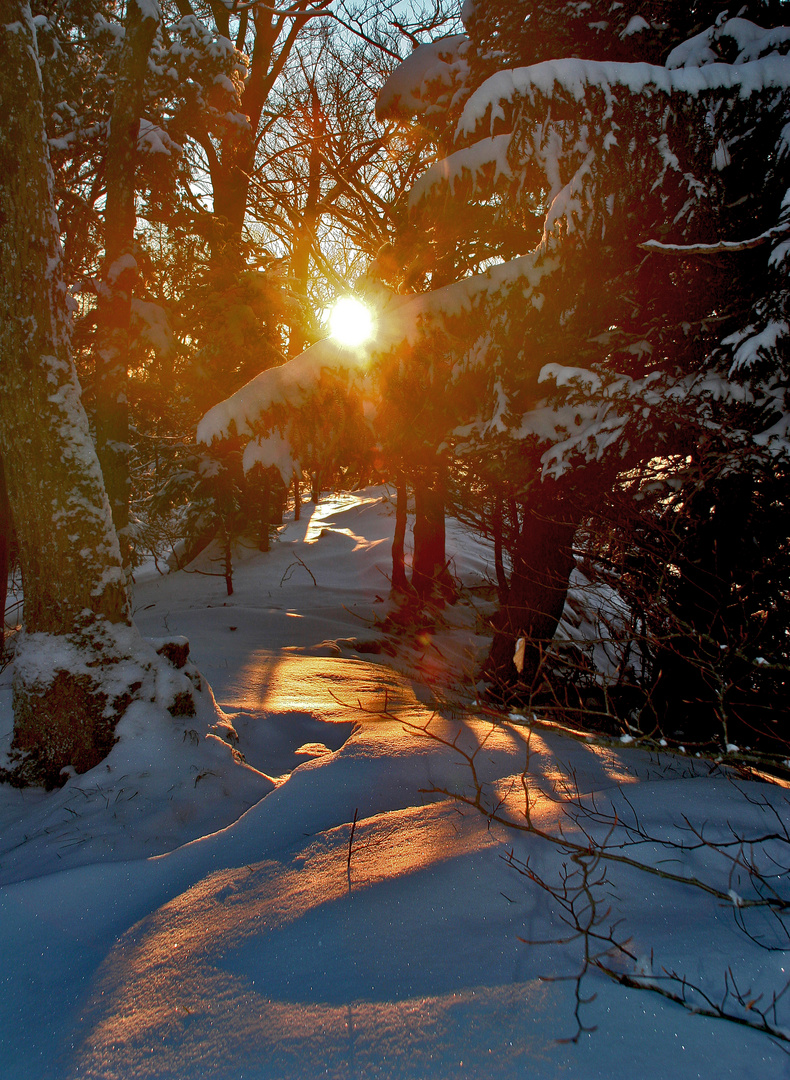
[[639, 170]]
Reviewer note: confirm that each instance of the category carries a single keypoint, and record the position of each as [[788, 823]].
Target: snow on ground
[[290, 884]]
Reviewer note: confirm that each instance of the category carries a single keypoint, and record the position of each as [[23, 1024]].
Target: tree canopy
[[570, 223], [599, 337]]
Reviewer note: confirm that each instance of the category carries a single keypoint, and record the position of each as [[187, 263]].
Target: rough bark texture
[[119, 274], [69, 554], [542, 566], [6, 530], [68, 548], [81, 745]]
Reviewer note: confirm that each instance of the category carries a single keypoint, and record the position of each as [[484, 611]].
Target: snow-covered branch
[[720, 246]]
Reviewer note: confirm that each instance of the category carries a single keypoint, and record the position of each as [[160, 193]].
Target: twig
[[286, 576], [359, 707], [350, 845], [710, 1008], [577, 891]]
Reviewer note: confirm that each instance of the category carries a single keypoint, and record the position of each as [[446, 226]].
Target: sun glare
[[351, 322]]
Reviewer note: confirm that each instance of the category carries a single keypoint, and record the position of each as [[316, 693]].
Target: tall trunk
[[265, 510], [119, 273], [68, 548], [400, 583], [75, 598], [542, 565], [304, 237], [230, 182], [279, 497], [429, 569], [227, 557], [499, 564], [300, 272], [232, 169], [6, 530], [297, 498], [696, 672]]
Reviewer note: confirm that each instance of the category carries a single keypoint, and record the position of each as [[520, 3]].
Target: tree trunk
[[400, 583], [233, 167], [265, 510], [430, 575], [76, 616], [279, 497], [499, 564], [6, 531], [227, 556], [297, 498], [542, 565], [120, 269], [304, 236], [697, 671]]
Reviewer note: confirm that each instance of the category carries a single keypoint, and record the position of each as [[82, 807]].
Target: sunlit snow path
[[277, 948]]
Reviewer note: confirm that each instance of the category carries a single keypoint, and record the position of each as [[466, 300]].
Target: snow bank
[[359, 919]]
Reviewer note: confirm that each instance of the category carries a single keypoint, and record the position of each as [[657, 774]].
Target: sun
[[351, 322]]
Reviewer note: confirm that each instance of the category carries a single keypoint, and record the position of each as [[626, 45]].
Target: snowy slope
[[335, 906]]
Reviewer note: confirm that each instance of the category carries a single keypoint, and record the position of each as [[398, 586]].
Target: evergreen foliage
[[620, 382]]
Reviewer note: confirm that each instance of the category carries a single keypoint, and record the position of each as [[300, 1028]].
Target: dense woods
[[570, 223]]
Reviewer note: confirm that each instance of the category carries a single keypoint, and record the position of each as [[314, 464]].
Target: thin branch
[[289, 569]]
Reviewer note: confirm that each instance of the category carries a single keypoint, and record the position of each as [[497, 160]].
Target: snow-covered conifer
[[634, 173]]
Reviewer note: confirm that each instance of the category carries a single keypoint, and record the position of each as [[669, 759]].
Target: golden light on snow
[[351, 322]]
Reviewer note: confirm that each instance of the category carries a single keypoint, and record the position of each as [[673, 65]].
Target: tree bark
[[265, 510], [120, 269], [304, 236], [76, 616], [430, 575], [232, 169], [279, 498], [227, 555], [499, 563], [695, 676], [68, 548], [6, 532], [542, 565]]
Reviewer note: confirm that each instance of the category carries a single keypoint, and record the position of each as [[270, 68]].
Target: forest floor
[[342, 867]]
